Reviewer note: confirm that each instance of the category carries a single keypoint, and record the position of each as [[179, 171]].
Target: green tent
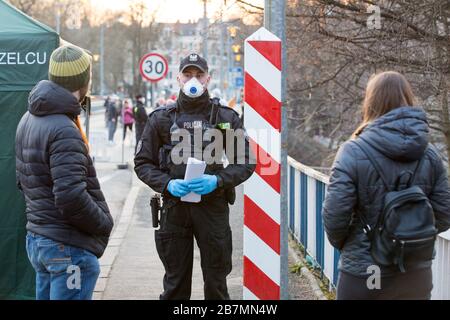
[[25, 49]]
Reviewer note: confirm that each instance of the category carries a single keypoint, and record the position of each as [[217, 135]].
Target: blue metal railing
[[306, 193], [307, 189]]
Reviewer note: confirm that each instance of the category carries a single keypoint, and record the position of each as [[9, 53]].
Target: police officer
[[207, 220]]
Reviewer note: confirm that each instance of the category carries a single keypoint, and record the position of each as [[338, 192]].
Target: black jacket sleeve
[[112, 113], [68, 159], [19, 186], [341, 196], [243, 161], [146, 160], [440, 195], [141, 115]]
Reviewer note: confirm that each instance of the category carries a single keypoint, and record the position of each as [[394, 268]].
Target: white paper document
[[194, 169]]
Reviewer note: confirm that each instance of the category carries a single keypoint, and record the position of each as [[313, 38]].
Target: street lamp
[[102, 59], [96, 59], [205, 31], [59, 6]]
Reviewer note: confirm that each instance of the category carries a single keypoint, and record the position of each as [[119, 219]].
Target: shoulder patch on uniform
[[154, 110], [224, 125], [230, 109], [163, 108]]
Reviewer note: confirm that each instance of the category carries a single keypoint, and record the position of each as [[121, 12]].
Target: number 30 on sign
[[153, 67]]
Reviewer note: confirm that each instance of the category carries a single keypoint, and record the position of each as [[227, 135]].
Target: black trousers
[[139, 130], [208, 222], [413, 285], [125, 126]]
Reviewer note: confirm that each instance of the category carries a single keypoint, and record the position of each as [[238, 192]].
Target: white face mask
[[193, 88]]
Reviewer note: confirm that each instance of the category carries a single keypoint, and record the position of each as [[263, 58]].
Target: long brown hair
[[83, 135], [385, 92]]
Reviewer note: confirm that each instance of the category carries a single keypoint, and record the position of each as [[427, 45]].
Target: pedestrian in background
[[106, 106], [388, 153], [128, 118], [113, 115], [170, 102], [140, 118], [161, 102]]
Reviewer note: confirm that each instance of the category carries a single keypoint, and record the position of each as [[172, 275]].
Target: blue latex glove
[[203, 185], [178, 187]]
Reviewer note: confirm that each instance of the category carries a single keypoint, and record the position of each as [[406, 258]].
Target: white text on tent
[[19, 58]]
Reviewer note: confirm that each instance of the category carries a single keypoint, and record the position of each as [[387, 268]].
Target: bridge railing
[[306, 193]]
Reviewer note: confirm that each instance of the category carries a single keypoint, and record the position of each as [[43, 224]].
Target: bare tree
[[26, 6], [335, 45], [143, 32]]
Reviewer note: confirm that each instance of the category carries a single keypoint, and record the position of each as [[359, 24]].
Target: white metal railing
[[441, 268], [306, 192]]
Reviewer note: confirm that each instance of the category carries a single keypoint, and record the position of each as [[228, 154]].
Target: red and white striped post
[[262, 201]]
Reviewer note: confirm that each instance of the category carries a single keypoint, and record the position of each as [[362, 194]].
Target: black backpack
[[405, 233]]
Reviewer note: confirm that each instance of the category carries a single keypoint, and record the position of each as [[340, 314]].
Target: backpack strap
[[419, 165], [367, 149]]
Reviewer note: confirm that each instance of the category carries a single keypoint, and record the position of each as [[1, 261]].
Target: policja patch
[[224, 125]]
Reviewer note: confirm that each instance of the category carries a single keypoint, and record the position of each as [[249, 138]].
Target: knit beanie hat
[[70, 67]]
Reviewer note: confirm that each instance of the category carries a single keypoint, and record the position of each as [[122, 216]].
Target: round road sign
[[153, 67]]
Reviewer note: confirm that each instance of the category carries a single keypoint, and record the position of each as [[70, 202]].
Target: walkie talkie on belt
[[214, 111], [155, 205]]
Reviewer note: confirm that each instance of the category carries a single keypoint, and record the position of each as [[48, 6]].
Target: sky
[[173, 10]]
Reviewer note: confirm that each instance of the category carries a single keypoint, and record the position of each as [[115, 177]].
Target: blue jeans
[[112, 126], [63, 272]]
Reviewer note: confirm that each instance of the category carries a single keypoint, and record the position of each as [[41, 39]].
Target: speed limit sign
[[153, 67]]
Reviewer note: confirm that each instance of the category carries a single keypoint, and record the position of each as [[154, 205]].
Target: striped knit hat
[[70, 67]]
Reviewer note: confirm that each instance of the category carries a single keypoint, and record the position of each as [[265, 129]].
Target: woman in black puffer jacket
[[398, 132], [56, 173]]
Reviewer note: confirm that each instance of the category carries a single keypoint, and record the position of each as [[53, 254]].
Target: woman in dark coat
[[397, 131], [68, 220]]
